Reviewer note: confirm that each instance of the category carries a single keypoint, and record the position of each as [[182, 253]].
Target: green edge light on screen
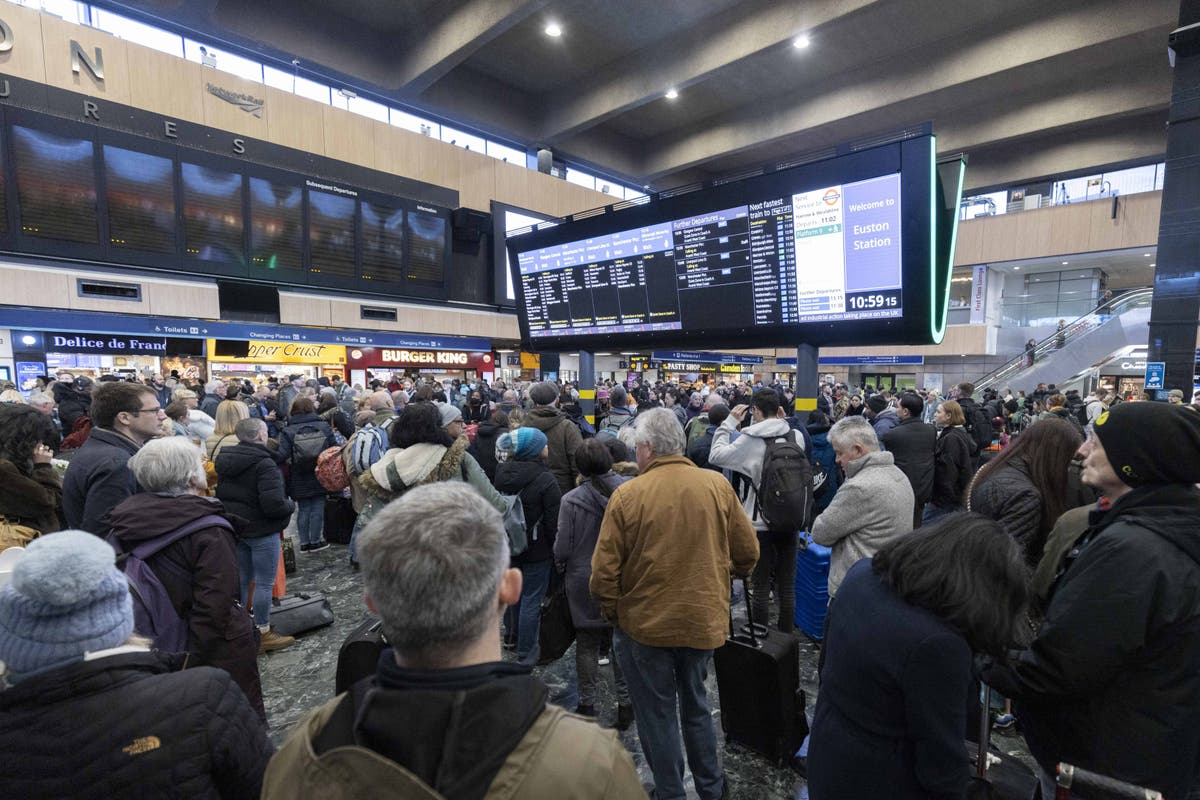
[[937, 321]]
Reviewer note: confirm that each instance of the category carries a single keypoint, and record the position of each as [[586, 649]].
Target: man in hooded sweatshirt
[[563, 435], [745, 455]]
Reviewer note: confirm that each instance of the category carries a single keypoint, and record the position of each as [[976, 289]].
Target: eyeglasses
[[154, 410]]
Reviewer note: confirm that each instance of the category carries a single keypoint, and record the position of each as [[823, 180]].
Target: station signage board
[[273, 352]]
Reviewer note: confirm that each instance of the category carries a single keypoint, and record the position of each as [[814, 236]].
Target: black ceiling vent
[[251, 302], [378, 313], [108, 290]]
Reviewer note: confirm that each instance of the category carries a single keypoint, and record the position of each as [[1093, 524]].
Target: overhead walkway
[[1058, 358]]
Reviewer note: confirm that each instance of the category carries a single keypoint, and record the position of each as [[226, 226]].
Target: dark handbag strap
[[152, 546]]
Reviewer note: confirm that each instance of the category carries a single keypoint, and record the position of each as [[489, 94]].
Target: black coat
[[1111, 683], [953, 467], [913, 444], [303, 483], [250, 485], [200, 574], [71, 405], [1009, 497], [484, 447], [540, 497], [130, 725], [891, 716], [97, 479]]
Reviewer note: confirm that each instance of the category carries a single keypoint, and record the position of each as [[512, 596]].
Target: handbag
[[557, 630], [300, 613]]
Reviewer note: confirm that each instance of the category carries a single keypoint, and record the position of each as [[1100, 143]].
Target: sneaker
[[624, 717], [1004, 722], [586, 711], [304, 548], [273, 641], [509, 644], [604, 660], [321, 545]]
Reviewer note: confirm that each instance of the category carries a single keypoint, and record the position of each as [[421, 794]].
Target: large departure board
[[140, 189], [382, 243], [276, 226], [331, 235], [426, 247], [56, 185], [212, 214]]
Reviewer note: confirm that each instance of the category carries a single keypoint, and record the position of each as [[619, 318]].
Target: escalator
[[1065, 355]]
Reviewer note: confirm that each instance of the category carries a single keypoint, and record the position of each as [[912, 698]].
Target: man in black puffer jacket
[[74, 400], [1111, 683]]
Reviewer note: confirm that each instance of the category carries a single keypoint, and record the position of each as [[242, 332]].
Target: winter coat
[[895, 685], [214, 444], [200, 574], [700, 448], [209, 403], [302, 482], [914, 446], [339, 421], [616, 419], [250, 486], [97, 480], [953, 467], [668, 543], [540, 499], [1111, 682], [1009, 497], [823, 456], [745, 455], [130, 724], [484, 447], [483, 732], [579, 519], [564, 439], [32, 500], [71, 405], [885, 421], [163, 393], [200, 425], [872, 506]]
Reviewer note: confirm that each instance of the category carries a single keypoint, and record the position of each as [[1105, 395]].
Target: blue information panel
[[1155, 374]]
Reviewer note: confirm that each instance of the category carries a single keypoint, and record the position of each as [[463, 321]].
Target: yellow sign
[[284, 353], [530, 361]]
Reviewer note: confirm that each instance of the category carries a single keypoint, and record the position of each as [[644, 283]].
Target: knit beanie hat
[[876, 403], [523, 443], [1151, 443], [66, 598], [448, 413]]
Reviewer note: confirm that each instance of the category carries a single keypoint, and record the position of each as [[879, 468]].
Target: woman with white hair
[[200, 425], [199, 571]]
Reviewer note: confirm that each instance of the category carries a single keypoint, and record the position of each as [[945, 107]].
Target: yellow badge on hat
[[1100, 420]]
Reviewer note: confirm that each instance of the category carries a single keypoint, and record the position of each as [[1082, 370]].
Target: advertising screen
[[56, 185], [140, 189]]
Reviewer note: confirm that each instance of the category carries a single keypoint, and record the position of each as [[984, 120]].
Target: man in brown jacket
[[562, 434], [661, 573]]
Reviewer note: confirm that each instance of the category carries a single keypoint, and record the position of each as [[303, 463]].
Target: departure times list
[[826, 254]]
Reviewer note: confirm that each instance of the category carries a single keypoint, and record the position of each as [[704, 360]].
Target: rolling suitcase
[[358, 656], [758, 680], [998, 776], [300, 613], [812, 588], [339, 519]]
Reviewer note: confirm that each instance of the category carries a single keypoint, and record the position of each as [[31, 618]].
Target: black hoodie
[[250, 485], [1111, 683], [484, 447]]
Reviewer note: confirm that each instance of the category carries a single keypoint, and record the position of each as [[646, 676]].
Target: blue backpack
[[153, 614]]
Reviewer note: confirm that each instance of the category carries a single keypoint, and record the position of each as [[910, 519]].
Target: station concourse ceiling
[[1026, 88]]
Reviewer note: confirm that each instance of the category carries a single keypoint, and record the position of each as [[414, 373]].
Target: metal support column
[[587, 386], [807, 381]]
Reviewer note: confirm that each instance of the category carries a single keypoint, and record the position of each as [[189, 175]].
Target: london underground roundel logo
[[831, 197]]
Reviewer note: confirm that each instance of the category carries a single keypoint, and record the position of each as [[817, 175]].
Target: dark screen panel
[[383, 243], [140, 189], [56, 185], [3, 191], [212, 214], [331, 234], [276, 225], [426, 248]]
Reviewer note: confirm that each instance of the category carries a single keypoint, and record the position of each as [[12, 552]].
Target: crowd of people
[[1046, 544]]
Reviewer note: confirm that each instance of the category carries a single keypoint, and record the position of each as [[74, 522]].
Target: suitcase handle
[[748, 631], [1071, 777]]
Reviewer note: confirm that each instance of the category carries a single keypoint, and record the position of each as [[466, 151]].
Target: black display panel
[[507, 220], [212, 214], [841, 250], [140, 192], [331, 236], [276, 227], [382, 243], [56, 185], [426, 248]]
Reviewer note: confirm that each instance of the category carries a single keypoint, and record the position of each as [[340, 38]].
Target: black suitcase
[[358, 656], [758, 680], [998, 776], [556, 631], [339, 519], [295, 614]]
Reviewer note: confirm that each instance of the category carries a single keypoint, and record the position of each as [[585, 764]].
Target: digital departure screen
[[276, 226], [56, 185], [212, 214], [331, 234], [383, 243], [426, 247], [140, 189]]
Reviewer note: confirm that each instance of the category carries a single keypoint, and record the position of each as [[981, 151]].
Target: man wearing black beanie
[[1111, 682]]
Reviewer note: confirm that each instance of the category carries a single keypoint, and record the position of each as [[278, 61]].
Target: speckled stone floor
[[300, 678]]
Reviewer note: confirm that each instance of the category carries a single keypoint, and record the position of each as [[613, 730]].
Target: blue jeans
[[658, 677], [933, 512], [258, 561], [310, 518], [525, 618]]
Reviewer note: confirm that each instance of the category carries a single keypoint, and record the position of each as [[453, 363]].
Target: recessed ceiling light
[[1153, 265], [1016, 269], [1145, 255], [672, 93], [553, 29], [1065, 263], [801, 42]]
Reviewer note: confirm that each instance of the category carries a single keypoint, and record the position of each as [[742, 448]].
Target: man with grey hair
[[661, 574], [872, 506], [214, 393], [443, 713], [562, 434]]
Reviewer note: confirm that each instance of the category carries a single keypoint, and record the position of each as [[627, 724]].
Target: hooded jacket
[[823, 457], [472, 733], [200, 574], [484, 447], [1111, 682], [953, 467], [745, 455], [579, 518], [885, 421], [72, 405], [250, 485], [914, 446], [540, 499], [98, 478], [303, 483], [563, 437], [130, 725], [1010, 497]]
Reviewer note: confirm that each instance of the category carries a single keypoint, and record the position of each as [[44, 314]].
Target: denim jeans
[[777, 556], [523, 621], [258, 561], [588, 644], [658, 678], [933, 512], [310, 518]]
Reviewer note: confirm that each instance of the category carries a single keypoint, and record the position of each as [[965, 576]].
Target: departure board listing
[[827, 254]]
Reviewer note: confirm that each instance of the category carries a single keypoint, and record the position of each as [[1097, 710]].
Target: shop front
[[1125, 373], [260, 360], [685, 366], [365, 363], [96, 354]]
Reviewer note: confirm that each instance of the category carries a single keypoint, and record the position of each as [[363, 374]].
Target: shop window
[[108, 290]]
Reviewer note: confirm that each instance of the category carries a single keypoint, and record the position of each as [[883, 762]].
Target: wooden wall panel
[[166, 85], [349, 137], [30, 287], [294, 121], [27, 57], [424, 319], [56, 37], [182, 299], [304, 309], [478, 180], [959, 340], [229, 116]]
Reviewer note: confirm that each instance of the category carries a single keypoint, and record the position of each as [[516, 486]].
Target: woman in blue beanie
[[522, 470], [90, 711]]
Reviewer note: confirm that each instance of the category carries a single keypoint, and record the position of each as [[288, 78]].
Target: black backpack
[[978, 426], [784, 498], [307, 445]]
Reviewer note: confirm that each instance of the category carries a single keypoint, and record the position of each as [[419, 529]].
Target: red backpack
[[331, 469]]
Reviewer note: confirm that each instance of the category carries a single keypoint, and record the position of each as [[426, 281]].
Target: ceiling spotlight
[[1145, 255], [672, 93], [801, 42], [1065, 263], [553, 29], [1015, 269], [1154, 265]]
